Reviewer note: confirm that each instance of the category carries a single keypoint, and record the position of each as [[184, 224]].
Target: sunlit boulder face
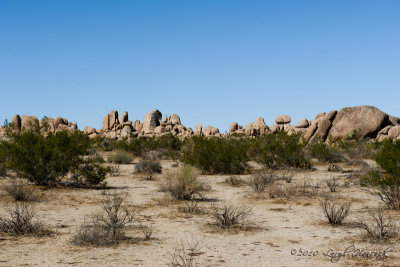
[[367, 119]]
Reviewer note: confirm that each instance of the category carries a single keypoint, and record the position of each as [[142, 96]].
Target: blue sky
[[209, 61]]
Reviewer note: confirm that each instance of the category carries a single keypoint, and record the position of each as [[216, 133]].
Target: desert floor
[[275, 230]]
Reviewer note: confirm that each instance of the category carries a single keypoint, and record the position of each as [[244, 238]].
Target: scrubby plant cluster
[[47, 159]]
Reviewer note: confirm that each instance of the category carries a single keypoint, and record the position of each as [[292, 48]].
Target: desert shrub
[[149, 165], [168, 145], [192, 207], [233, 180], [107, 144], [23, 221], [379, 226], [90, 174], [184, 254], [279, 150], [355, 147], [333, 184], [386, 185], [20, 191], [120, 157], [216, 155], [335, 211], [44, 160], [106, 227], [324, 152], [283, 191], [184, 184], [147, 231], [95, 156], [229, 215], [261, 180]]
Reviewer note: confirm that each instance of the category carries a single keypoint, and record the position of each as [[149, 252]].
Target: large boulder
[[394, 120], [260, 126], [310, 131], [105, 122], [159, 130], [283, 119], [151, 121], [198, 129], [126, 132], [123, 117], [16, 122], [394, 132], [323, 129], [89, 130], [113, 119], [210, 130], [174, 119], [303, 123], [29, 123], [233, 127], [367, 119]]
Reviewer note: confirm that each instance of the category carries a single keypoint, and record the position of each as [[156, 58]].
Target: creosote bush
[[23, 221], [333, 184], [229, 215], [279, 150], [386, 185], [324, 152], [261, 180], [120, 157], [379, 226], [216, 155], [45, 160], [106, 227], [20, 191], [334, 210], [184, 184], [149, 164]]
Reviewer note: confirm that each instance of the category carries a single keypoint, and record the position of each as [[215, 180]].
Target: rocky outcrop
[[367, 120], [151, 121]]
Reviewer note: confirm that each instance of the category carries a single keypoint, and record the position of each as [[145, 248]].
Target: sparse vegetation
[[184, 254], [261, 180], [106, 227], [23, 221], [229, 215], [233, 180], [149, 165], [147, 231], [334, 210], [120, 157], [20, 191], [333, 184], [386, 185], [216, 155], [45, 160], [184, 184], [379, 226], [279, 150]]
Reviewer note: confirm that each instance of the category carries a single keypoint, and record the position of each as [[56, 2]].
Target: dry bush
[[304, 189], [286, 176], [149, 164], [20, 191], [184, 254], [379, 226], [192, 207], [261, 180], [228, 215], [333, 184], [147, 231], [334, 210], [107, 227], [120, 157], [23, 221], [233, 181], [184, 184]]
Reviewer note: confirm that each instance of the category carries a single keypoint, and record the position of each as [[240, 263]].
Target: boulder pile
[[363, 121]]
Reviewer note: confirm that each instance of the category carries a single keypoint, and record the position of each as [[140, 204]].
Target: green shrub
[[45, 160], [386, 185], [184, 184], [324, 152], [120, 157], [149, 165], [216, 155], [279, 150]]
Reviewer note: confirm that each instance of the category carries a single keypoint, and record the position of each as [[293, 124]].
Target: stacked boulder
[[114, 127], [47, 124], [282, 123]]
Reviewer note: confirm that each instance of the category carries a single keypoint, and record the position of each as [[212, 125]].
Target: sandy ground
[[277, 229]]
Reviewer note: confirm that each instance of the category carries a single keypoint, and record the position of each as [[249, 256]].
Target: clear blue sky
[[209, 61]]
